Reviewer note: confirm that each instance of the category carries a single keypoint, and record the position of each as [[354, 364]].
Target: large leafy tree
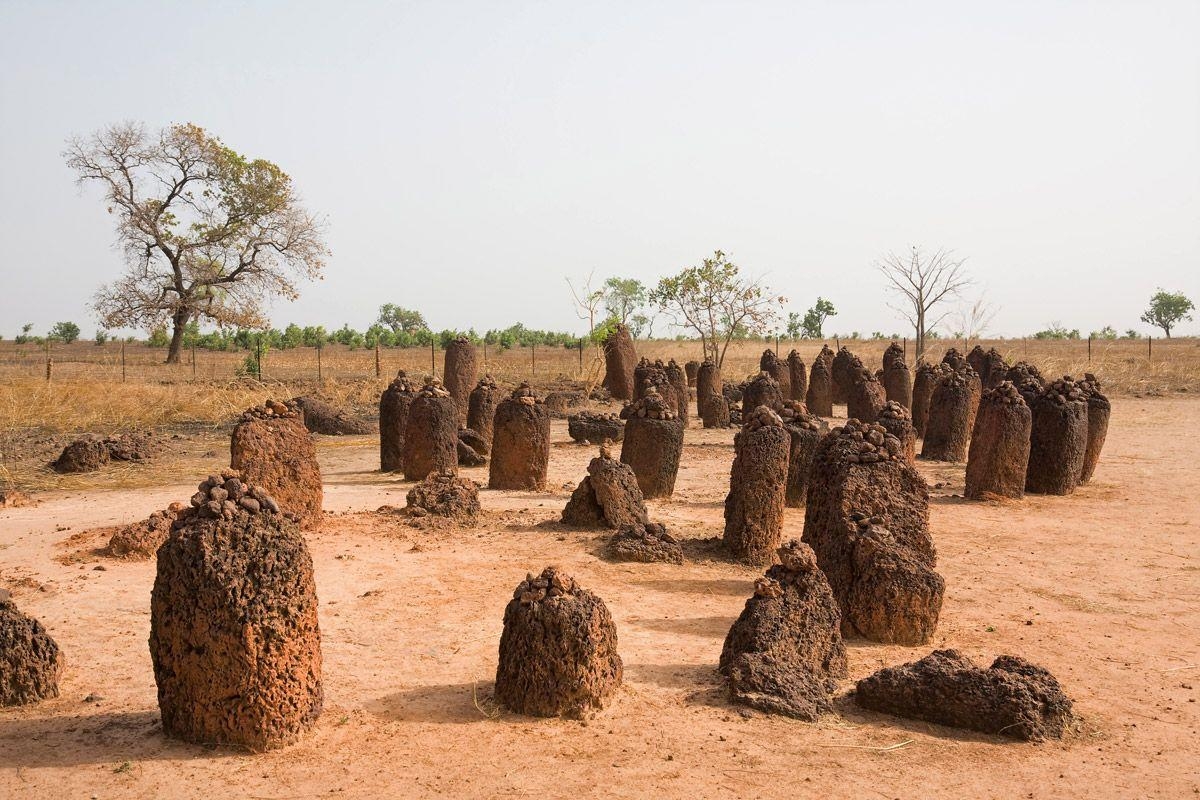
[[207, 233], [717, 302], [623, 298], [1168, 309], [401, 320]]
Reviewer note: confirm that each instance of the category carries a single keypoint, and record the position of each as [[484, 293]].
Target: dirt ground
[[1100, 587]]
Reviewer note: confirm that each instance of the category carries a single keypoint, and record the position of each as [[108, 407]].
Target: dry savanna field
[[1099, 587]]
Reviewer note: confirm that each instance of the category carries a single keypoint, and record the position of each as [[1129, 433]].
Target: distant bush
[[159, 337]]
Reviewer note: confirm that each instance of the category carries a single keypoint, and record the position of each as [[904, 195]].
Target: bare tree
[[922, 282], [972, 320], [587, 300], [207, 233]]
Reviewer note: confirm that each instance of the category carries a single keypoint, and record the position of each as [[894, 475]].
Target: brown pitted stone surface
[[445, 494], [732, 392], [679, 385], [893, 353], [691, 369], [474, 441], [896, 420], [762, 390], [30, 662], [860, 473], [805, 430], [866, 398], [711, 403], [558, 651], [520, 443], [653, 444], [947, 429], [1011, 698], [620, 359], [975, 389], [954, 359], [669, 386], [798, 377], [898, 383], [777, 368], [647, 544], [560, 403], [995, 369], [896, 596], [233, 622], [999, 453], [819, 397], [461, 373], [785, 653], [1058, 438], [89, 453], [1099, 411], [272, 449], [925, 381], [481, 410], [843, 369], [977, 358], [323, 418], [1024, 372], [609, 495], [590, 427], [431, 435], [757, 487], [142, 539], [393, 419], [467, 455]]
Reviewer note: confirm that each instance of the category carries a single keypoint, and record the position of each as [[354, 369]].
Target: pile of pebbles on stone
[[795, 414], [872, 442], [650, 406], [761, 417], [226, 495], [272, 409], [595, 428], [646, 543]]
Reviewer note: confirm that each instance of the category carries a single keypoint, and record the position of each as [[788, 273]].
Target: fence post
[[122, 362], [319, 378], [837, 343], [906, 348], [777, 345], [1089, 348], [1149, 347], [533, 355], [378, 367], [581, 358], [485, 355], [49, 367], [193, 362], [258, 357], [433, 358]]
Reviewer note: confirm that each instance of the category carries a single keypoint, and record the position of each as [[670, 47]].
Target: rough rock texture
[[431, 435], [668, 382], [608, 496], [90, 453], [711, 403], [558, 651], [844, 368], [142, 539], [323, 418], [1011, 698], [954, 359], [692, 370], [30, 661], [777, 368], [798, 380], [1024, 372], [925, 381], [995, 369], [471, 448], [653, 444], [481, 410], [757, 488], [620, 359], [975, 391], [860, 475], [999, 454], [947, 430], [897, 382], [521, 442], [679, 386], [1099, 411], [233, 622], [805, 431], [784, 653], [762, 390], [393, 419], [444, 494], [896, 420], [461, 373], [1058, 439], [866, 397], [272, 449], [819, 397], [977, 358], [648, 543], [892, 354], [592, 428], [559, 404]]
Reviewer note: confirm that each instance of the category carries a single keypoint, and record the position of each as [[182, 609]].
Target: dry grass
[[86, 391]]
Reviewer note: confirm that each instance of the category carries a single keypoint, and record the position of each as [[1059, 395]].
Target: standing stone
[[521, 443], [771, 364], [806, 431], [954, 359], [393, 419], [977, 358], [844, 368], [785, 653], [481, 409], [897, 382], [819, 397], [1058, 439], [607, 497], [30, 662], [431, 435], [757, 487], [679, 384], [710, 399], [995, 369], [924, 383], [653, 444], [558, 651], [896, 420], [798, 384], [619, 361], [233, 622], [1099, 411], [692, 370], [999, 454], [892, 354], [461, 372], [761, 390], [948, 429], [866, 398], [272, 449]]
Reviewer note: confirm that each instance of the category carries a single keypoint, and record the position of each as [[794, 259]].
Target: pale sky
[[470, 156]]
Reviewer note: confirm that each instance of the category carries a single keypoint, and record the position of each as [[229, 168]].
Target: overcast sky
[[470, 156]]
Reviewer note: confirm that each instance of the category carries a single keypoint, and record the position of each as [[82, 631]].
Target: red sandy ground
[[1100, 587]]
